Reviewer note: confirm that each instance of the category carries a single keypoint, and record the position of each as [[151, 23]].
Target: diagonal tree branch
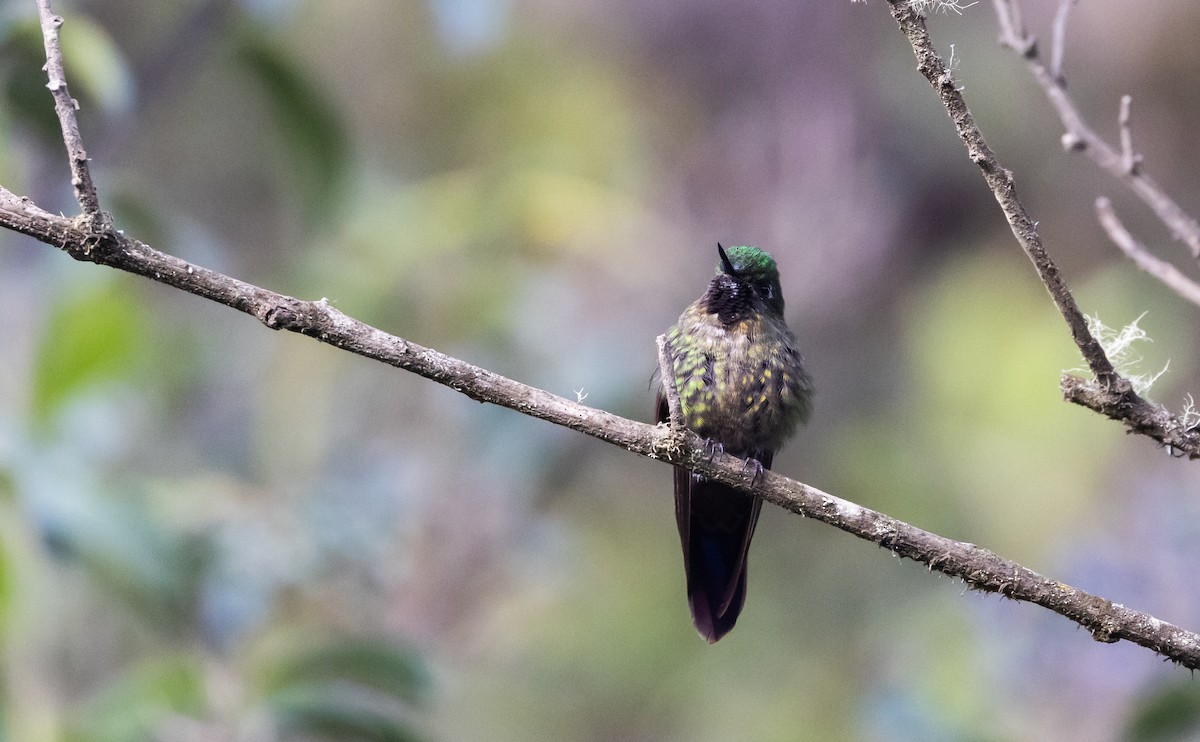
[[1001, 182], [980, 568], [1109, 393], [94, 240]]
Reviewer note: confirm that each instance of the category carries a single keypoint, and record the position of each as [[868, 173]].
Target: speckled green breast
[[743, 385]]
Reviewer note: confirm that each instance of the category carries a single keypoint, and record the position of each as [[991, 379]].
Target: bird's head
[[747, 281]]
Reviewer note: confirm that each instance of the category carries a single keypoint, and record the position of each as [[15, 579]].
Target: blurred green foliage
[[344, 691], [133, 705], [314, 156], [96, 68], [91, 337], [1168, 713]]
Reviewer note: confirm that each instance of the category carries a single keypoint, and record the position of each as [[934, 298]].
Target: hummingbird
[[744, 389]]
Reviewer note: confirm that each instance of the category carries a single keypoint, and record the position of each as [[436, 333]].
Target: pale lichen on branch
[[1121, 347]]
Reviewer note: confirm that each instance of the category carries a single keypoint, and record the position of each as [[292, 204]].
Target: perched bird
[[743, 387]]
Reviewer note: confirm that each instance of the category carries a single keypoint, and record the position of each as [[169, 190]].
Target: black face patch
[[728, 298]]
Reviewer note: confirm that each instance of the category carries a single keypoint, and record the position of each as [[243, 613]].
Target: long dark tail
[[716, 524]]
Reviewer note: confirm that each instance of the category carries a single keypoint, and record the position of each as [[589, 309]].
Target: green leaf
[[26, 99], [92, 336], [317, 156], [337, 713], [379, 665], [94, 65], [6, 581], [131, 556], [1171, 713], [97, 74], [132, 706], [349, 689]]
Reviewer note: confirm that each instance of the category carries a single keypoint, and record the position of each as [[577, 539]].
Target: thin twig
[[1130, 161], [1082, 138], [1168, 274], [1058, 38], [1012, 31], [979, 568], [666, 373], [65, 106]]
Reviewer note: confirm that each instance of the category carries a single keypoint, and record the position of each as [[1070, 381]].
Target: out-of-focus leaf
[[317, 155], [95, 66], [11, 171], [26, 98], [337, 713], [352, 689], [10, 72], [5, 578], [97, 72], [137, 560], [93, 335], [378, 665], [134, 705], [1173, 713], [136, 216]]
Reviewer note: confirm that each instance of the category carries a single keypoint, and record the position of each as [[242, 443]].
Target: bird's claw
[[712, 448], [754, 468]]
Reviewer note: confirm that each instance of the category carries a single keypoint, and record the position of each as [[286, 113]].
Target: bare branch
[[1012, 30], [1121, 402], [65, 106], [1080, 137], [1168, 274], [979, 568], [1059, 40], [666, 372], [1130, 162]]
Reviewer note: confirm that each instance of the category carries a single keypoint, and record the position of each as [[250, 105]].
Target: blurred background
[[210, 531]]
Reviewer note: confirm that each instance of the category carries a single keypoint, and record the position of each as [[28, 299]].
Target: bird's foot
[[712, 448], [754, 468]]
